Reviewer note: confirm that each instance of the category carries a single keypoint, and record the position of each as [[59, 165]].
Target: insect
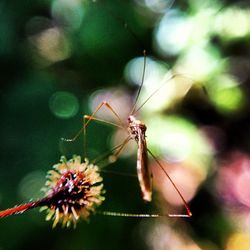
[[73, 190], [137, 132]]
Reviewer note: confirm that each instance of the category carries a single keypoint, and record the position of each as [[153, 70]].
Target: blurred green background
[[59, 59]]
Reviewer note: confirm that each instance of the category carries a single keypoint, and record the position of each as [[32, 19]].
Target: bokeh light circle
[[64, 104], [31, 185], [173, 33], [71, 13]]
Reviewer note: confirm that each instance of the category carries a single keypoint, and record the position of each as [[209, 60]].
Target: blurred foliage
[[60, 58]]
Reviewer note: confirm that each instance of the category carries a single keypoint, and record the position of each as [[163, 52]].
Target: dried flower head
[[72, 190]]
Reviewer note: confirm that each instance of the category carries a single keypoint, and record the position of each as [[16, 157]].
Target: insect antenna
[[127, 27], [142, 81]]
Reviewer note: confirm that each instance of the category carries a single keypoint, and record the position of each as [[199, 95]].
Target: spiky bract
[[74, 190]]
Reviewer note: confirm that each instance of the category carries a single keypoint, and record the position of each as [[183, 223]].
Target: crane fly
[[137, 132]]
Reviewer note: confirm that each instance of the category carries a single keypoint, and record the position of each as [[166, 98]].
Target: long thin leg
[[124, 143], [100, 120], [138, 215], [117, 149], [189, 213], [88, 117], [92, 117], [109, 107], [131, 215]]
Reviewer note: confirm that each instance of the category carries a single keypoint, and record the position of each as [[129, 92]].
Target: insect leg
[[189, 213], [92, 117], [111, 157], [89, 118]]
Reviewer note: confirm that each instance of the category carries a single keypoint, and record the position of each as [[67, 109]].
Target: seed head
[[72, 190]]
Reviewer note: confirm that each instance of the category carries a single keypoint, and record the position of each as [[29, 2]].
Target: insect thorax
[[135, 127]]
